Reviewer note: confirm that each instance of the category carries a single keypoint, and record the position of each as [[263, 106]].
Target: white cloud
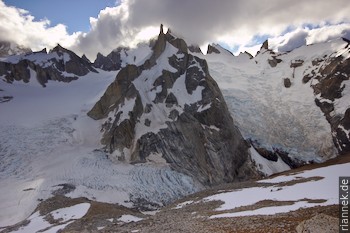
[[17, 25], [301, 36], [235, 23]]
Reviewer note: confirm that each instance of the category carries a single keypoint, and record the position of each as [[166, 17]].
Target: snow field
[[266, 111], [324, 186], [46, 140]]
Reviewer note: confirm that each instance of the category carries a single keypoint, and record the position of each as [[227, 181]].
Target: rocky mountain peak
[[195, 49], [59, 64], [211, 49], [84, 57], [60, 50], [170, 107], [265, 45]]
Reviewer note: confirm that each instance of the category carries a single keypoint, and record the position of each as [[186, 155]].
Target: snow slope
[[268, 112], [301, 193], [46, 140]]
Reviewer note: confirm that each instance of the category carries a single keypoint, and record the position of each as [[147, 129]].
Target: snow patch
[[203, 108], [129, 218], [318, 189], [267, 167], [64, 217], [183, 97], [181, 205], [73, 212]]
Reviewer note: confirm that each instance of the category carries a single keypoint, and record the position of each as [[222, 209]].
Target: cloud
[[112, 29], [235, 23], [232, 22], [297, 39], [304, 35], [17, 25]]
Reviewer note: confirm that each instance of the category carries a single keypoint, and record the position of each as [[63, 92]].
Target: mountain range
[[145, 126]]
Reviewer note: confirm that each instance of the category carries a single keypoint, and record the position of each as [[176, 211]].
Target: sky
[[92, 26]]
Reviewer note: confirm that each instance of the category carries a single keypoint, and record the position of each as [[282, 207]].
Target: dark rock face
[[111, 62], [332, 72], [274, 61], [59, 64], [85, 58], [74, 64], [273, 154], [296, 63], [171, 106], [287, 83], [195, 49], [249, 55], [265, 45]]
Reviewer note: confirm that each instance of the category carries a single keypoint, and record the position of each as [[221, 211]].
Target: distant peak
[[43, 50], [212, 49], [195, 49], [249, 54], [58, 48]]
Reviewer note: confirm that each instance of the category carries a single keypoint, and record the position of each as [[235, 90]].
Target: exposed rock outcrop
[[265, 45], [111, 62], [171, 106], [195, 49], [212, 49], [332, 77], [287, 83]]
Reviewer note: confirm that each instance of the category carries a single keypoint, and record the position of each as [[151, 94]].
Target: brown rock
[[319, 223]]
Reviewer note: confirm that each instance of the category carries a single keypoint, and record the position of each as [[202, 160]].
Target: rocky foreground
[[196, 213]]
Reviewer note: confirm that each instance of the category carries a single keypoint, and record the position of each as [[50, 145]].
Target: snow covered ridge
[[296, 102], [171, 107], [59, 64]]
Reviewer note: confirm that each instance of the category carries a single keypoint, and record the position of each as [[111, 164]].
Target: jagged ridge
[[59, 64]]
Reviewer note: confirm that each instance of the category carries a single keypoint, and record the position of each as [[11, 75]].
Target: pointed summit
[[58, 48], [85, 58], [212, 49], [161, 29], [265, 45]]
